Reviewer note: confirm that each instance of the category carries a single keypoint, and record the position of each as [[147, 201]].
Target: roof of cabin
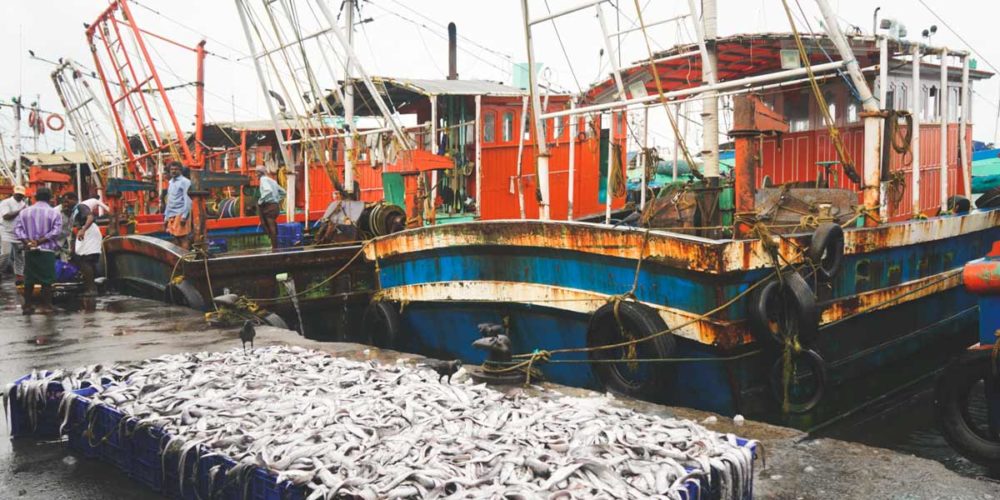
[[741, 56]]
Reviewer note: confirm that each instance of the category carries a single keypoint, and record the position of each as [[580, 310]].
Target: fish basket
[[211, 480], [76, 425], [107, 431], [47, 423], [147, 465], [264, 486]]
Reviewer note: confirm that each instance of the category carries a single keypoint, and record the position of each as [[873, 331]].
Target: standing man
[[38, 229], [177, 213], [269, 203], [10, 247]]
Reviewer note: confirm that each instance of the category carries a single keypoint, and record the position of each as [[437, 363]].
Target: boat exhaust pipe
[[452, 52]]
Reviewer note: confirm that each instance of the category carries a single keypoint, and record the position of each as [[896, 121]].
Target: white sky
[[392, 45]]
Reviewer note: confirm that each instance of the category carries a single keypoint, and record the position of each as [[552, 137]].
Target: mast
[[541, 148], [872, 114], [349, 101], [18, 172], [710, 105]]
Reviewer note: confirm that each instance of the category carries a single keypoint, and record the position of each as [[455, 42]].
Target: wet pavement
[[122, 328]]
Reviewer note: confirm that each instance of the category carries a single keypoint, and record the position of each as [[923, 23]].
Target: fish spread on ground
[[361, 429]]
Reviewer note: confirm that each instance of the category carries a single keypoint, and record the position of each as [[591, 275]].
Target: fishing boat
[[347, 147], [798, 289]]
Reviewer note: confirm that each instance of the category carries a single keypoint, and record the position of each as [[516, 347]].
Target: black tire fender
[[185, 294], [639, 320], [381, 325], [777, 308], [951, 394], [818, 366], [826, 250], [989, 199]]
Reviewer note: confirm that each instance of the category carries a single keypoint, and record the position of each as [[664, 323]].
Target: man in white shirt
[[10, 247]]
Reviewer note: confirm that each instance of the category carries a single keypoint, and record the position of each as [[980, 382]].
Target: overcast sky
[[407, 38]]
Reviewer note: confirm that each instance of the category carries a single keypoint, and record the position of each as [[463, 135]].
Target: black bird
[[444, 368], [490, 329], [247, 333]]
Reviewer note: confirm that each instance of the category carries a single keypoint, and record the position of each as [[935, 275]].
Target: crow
[[490, 329], [247, 333], [444, 368]]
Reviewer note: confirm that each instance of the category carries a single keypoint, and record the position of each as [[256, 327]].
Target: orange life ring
[[59, 119], [32, 119]]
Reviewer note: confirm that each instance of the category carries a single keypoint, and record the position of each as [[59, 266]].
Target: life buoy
[[632, 321], [185, 294], [58, 119], [782, 308], [967, 434], [381, 325], [826, 250], [807, 383]]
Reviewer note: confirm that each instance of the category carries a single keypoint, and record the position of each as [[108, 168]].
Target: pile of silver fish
[[361, 429], [33, 392]]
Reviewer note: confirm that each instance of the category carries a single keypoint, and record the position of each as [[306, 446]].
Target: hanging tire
[[963, 421], [380, 325], [636, 321], [807, 384], [779, 309], [826, 250], [184, 294], [989, 199]]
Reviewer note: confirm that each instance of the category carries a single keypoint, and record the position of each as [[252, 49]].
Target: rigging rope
[[838, 143]]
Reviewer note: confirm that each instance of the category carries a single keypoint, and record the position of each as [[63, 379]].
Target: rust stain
[[888, 297]]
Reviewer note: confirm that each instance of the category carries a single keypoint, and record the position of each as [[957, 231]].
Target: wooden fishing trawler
[[797, 290], [346, 148]]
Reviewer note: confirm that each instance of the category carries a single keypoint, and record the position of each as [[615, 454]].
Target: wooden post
[[479, 155], [943, 120], [916, 103]]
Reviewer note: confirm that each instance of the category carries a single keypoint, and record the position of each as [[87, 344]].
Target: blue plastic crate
[[289, 234], [47, 425], [76, 427], [106, 426], [147, 459], [216, 486], [264, 486], [218, 245]]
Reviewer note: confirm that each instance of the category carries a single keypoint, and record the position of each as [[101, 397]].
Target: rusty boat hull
[[894, 312], [151, 267]]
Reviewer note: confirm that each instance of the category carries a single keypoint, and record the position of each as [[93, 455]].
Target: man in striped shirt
[[38, 228]]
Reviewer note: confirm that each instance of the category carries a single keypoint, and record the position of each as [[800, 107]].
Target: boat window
[[852, 112], [797, 111], [560, 127], [831, 106], [902, 97], [489, 127], [508, 126], [953, 93]]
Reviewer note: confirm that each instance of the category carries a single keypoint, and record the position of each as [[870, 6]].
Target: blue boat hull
[[894, 313]]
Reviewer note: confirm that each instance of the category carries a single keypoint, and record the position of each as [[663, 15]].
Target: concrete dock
[[125, 328]]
